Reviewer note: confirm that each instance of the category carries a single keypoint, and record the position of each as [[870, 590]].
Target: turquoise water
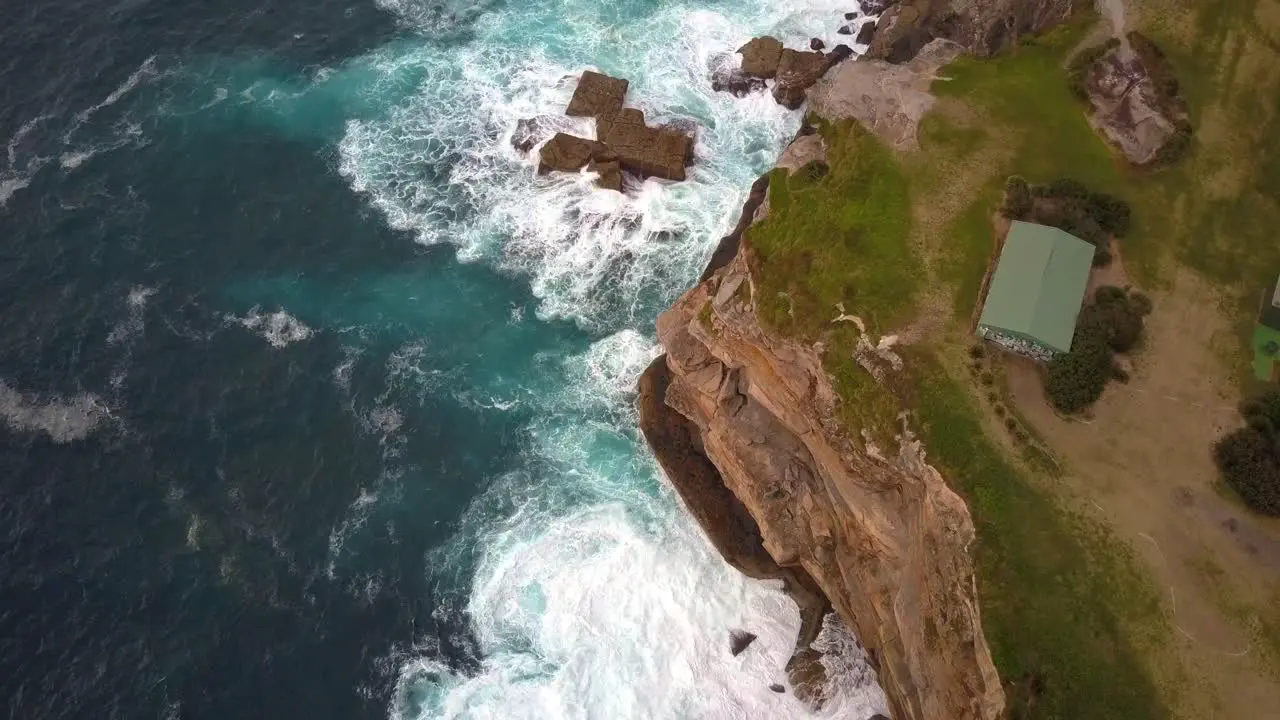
[[318, 399]]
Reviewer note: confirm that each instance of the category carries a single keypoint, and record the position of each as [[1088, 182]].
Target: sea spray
[[591, 594]]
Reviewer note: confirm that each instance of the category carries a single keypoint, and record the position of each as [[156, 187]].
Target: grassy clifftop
[[1076, 626]]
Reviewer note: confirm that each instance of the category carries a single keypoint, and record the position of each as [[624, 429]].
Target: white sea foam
[[128, 330], [145, 72], [278, 328], [62, 419], [18, 172], [592, 594]]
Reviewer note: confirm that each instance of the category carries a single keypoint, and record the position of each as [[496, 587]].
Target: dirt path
[[1142, 463]]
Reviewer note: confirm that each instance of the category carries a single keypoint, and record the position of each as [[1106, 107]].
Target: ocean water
[[316, 401]]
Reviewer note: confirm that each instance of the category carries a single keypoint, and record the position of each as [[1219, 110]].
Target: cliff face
[[743, 424], [980, 27]]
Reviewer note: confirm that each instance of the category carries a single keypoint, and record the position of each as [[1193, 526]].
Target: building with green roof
[[1266, 335], [1036, 291]]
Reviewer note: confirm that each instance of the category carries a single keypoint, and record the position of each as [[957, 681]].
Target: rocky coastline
[[744, 421]]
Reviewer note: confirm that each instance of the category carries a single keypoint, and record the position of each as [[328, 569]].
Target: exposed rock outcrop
[[1135, 102], [624, 141], [739, 641], [981, 27], [643, 150], [597, 96], [797, 71], [570, 153], [744, 424], [887, 99], [760, 57], [866, 33]]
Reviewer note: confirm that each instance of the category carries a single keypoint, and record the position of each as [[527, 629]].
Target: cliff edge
[[743, 423]]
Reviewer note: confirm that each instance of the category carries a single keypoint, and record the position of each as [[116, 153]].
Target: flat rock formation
[[570, 153], [1135, 103], [760, 57], [887, 99], [793, 71], [980, 27], [643, 150], [597, 95], [744, 425], [624, 141]]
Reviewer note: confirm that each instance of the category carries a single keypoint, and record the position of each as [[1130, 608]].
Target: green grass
[[1060, 600], [840, 239], [1028, 108]]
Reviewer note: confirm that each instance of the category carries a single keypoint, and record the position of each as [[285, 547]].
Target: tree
[[1017, 198]]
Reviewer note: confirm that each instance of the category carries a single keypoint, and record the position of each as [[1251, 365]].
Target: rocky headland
[[744, 420]]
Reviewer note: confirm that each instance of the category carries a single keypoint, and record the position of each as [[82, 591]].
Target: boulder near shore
[[625, 142]]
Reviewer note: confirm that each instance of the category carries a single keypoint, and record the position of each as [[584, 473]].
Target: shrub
[[1110, 212], [1000, 411], [1011, 424], [1068, 188], [1017, 198], [1265, 405], [813, 171], [1112, 324], [1176, 147], [1114, 318], [1141, 303], [992, 396], [977, 351], [1076, 379], [987, 378], [1249, 465]]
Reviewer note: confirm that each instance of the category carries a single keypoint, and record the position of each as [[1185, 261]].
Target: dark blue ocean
[[316, 401]]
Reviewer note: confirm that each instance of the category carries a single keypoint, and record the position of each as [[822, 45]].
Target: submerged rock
[[740, 640], [777, 688], [735, 82], [529, 132], [816, 44], [760, 57]]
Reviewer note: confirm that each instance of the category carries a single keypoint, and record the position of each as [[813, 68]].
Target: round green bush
[[1248, 463]]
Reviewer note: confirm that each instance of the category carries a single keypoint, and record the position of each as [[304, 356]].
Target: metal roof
[[1038, 285]]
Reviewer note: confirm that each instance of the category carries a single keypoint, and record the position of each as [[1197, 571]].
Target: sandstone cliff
[[743, 423], [980, 27]]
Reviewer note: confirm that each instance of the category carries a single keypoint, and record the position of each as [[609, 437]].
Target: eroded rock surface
[[569, 153], [597, 96], [624, 141], [643, 150], [743, 423], [887, 99], [980, 27], [1135, 103], [760, 57]]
